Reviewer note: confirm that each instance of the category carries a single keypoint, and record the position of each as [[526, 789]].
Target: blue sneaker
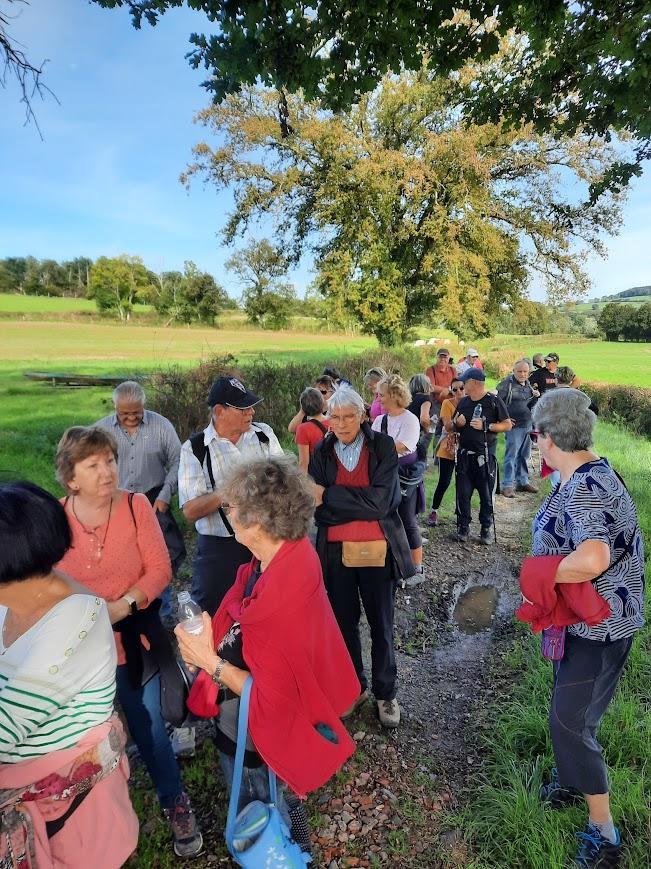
[[595, 852], [558, 797]]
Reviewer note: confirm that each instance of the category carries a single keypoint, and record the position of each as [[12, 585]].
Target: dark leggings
[[446, 470], [407, 512]]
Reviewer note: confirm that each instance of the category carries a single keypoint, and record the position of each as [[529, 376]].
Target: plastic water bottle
[[190, 615], [476, 414]]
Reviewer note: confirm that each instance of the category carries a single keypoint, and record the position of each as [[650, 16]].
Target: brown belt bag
[[367, 553]]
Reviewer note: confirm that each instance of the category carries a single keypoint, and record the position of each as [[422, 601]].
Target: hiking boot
[[433, 519], [188, 840], [485, 537], [183, 741], [595, 852], [462, 535], [361, 700], [558, 797], [507, 491], [388, 712], [528, 487]]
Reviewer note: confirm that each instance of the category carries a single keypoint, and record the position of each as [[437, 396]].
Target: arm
[[295, 421], [195, 497], [589, 559], [303, 456], [172, 455], [198, 650], [424, 415]]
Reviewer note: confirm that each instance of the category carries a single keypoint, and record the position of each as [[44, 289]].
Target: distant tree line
[[625, 322], [45, 277]]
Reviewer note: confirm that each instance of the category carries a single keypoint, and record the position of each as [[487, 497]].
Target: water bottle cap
[[183, 596]]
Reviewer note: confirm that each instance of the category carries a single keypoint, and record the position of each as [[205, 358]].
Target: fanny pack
[[367, 553]]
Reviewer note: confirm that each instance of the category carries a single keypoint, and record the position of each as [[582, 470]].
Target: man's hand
[[535, 390], [459, 420], [318, 494], [477, 424], [161, 506]]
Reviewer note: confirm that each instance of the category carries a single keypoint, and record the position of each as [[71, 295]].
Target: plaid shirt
[[193, 477]]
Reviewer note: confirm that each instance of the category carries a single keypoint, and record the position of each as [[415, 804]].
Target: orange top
[[448, 441], [134, 554]]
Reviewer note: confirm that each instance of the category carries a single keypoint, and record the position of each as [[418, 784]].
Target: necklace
[[97, 544]]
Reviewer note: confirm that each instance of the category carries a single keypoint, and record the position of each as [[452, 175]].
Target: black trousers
[[376, 588], [214, 569], [446, 470], [407, 512], [472, 475], [585, 680]]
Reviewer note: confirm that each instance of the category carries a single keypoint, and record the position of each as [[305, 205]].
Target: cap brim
[[248, 400]]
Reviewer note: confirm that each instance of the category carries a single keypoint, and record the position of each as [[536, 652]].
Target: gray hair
[[346, 396], [419, 384], [129, 390], [311, 401], [274, 493], [565, 415], [521, 362], [373, 375]]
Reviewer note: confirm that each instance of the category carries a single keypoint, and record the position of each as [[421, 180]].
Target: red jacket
[[559, 604], [302, 672]]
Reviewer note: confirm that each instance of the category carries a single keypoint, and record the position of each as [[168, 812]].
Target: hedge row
[[180, 394], [628, 405]]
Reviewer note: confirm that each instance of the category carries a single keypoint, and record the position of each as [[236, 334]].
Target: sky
[[104, 178]]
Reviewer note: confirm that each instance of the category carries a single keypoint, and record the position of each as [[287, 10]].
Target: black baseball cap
[[473, 374], [442, 351], [231, 392], [552, 357]]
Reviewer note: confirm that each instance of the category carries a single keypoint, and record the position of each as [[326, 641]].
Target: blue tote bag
[[257, 837]]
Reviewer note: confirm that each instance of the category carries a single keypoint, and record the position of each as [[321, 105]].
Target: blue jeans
[[516, 456], [141, 708], [255, 786]]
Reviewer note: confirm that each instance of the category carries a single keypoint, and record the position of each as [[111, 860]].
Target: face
[[232, 420], [443, 360], [457, 390], [521, 372], [248, 537], [129, 413], [325, 391], [472, 359], [551, 365], [95, 476], [544, 445], [474, 389], [345, 423], [371, 384], [387, 401]]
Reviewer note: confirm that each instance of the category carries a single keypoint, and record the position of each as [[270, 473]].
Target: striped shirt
[[57, 680], [594, 505], [195, 481], [148, 458], [348, 454]]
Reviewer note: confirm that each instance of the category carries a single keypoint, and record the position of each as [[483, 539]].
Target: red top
[[302, 672], [134, 554], [308, 433], [441, 379], [559, 604], [359, 529]]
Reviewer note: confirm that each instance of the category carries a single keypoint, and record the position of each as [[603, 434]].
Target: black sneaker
[[558, 797], [485, 536], [462, 535], [595, 852]]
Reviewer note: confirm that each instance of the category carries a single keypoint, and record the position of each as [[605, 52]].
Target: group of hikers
[[287, 555]]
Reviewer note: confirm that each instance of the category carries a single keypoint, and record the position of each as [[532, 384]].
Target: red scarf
[[302, 672], [561, 604]]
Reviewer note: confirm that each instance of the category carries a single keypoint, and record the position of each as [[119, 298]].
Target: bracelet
[[216, 676]]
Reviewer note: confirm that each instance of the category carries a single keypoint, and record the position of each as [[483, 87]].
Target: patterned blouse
[[595, 505]]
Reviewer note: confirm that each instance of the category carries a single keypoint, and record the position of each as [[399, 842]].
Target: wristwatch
[[216, 676], [133, 606]]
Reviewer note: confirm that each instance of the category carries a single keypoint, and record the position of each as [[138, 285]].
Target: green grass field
[[586, 307]]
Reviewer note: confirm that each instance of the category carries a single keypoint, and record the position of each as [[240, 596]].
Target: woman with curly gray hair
[[591, 520], [276, 625]]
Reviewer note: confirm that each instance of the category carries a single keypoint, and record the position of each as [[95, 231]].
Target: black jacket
[[378, 501]]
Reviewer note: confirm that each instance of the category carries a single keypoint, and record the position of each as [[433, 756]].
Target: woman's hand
[[118, 609], [198, 650], [318, 494]]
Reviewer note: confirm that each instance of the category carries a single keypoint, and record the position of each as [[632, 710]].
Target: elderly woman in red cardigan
[[276, 624]]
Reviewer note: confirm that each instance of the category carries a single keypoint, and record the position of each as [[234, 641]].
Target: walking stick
[[488, 478]]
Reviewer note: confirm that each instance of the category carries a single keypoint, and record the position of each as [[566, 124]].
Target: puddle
[[475, 609]]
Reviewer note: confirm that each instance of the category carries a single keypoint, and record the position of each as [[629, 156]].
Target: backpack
[[202, 453]]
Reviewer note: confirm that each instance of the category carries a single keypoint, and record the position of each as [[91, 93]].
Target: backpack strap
[[384, 425], [202, 454], [319, 425], [261, 436], [133, 515]]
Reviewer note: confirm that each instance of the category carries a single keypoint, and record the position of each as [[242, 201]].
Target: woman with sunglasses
[[446, 449], [326, 387]]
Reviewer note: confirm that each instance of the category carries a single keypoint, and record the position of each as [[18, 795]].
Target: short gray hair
[[346, 396], [274, 493], [522, 362], [374, 375], [419, 384], [565, 415], [311, 401], [129, 390]]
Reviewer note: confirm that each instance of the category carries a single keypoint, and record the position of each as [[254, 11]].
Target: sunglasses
[[323, 391], [457, 388], [538, 434]]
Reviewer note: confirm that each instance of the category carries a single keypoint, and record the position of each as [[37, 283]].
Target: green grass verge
[[504, 823]]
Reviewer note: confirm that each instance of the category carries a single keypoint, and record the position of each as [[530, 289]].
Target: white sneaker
[[388, 712], [183, 741]]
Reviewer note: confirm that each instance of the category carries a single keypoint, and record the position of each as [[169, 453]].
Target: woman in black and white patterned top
[[591, 519]]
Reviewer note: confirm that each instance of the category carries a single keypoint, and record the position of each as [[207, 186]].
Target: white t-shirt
[[403, 428]]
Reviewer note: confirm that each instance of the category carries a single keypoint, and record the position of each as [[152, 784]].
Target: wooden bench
[[77, 380]]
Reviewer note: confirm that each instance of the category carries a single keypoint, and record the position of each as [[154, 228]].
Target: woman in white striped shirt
[[60, 743]]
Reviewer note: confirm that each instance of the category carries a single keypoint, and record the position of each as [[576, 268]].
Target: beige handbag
[[367, 553]]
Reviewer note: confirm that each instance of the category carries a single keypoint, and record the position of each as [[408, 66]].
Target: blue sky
[[105, 179]]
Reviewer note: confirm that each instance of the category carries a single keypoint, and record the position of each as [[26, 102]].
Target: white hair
[[129, 390], [346, 396]]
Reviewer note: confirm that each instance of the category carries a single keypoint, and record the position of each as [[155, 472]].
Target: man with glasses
[[231, 436]]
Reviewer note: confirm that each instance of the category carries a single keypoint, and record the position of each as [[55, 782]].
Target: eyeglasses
[[457, 388], [324, 391], [346, 419], [538, 434]]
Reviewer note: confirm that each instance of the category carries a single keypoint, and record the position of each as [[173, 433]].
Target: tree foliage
[[268, 300], [118, 283], [410, 214], [626, 321], [582, 65], [189, 296], [45, 277]]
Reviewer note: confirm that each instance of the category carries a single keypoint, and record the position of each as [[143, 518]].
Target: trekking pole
[[488, 478]]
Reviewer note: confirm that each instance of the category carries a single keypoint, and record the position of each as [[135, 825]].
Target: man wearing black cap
[[545, 378], [479, 418], [231, 436]]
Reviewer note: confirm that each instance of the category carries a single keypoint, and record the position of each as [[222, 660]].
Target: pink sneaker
[[433, 519]]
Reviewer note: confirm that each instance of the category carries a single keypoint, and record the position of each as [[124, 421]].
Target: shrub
[[180, 394], [629, 405]]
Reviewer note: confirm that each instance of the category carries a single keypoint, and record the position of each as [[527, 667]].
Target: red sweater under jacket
[[302, 672], [559, 604]]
